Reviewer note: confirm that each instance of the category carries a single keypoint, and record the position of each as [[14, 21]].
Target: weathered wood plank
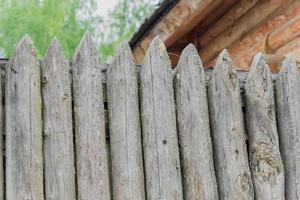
[[199, 181], [23, 109], [231, 160], [241, 75], [58, 131], [2, 175], [160, 142], [265, 160], [91, 152], [288, 113], [124, 127]]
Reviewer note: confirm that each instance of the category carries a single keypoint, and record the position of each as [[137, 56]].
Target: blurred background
[[109, 21]]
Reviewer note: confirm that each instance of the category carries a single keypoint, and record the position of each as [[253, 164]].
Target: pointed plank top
[[54, 62], [259, 82], [189, 49], [26, 46], [224, 61], [24, 55], [190, 56], [258, 62], [123, 58], [189, 66], [289, 66], [224, 70], [86, 57], [25, 40], [157, 44], [54, 50], [157, 52], [86, 47], [124, 46]]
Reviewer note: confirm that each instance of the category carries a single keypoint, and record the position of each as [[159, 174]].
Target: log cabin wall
[[244, 27]]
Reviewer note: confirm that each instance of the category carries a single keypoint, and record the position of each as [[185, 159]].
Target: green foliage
[[42, 20], [68, 20], [123, 22]]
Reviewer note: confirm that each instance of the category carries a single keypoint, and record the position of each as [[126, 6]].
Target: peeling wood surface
[[23, 122], [91, 151], [57, 128], [124, 127], [264, 153], [231, 160], [160, 143], [199, 181], [288, 113]]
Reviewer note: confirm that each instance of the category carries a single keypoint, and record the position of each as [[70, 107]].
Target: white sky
[[106, 5]]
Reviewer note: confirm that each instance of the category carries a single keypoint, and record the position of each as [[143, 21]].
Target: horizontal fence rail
[[83, 130]]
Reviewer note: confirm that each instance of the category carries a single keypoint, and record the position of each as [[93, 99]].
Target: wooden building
[[244, 27]]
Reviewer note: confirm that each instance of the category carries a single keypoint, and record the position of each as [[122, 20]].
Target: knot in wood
[[243, 186], [264, 163]]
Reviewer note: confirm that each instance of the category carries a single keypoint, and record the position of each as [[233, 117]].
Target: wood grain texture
[[244, 49], [231, 160], [247, 22], [183, 17], [124, 127], [288, 114], [23, 109], [91, 152], [282, 35], [265, 160], [199, 181], [227, 20], [160, 142], [58, 128]]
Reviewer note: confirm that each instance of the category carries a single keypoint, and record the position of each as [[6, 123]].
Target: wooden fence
[[81, 131]]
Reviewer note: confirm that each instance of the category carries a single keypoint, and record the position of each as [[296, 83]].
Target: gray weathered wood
[[231, 160], [58, 131], [265, 160], [288, 114], [199, 181], [91, 152], [124, 127], [160, 142], [241, 74], [1, 138], [23, 109]]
